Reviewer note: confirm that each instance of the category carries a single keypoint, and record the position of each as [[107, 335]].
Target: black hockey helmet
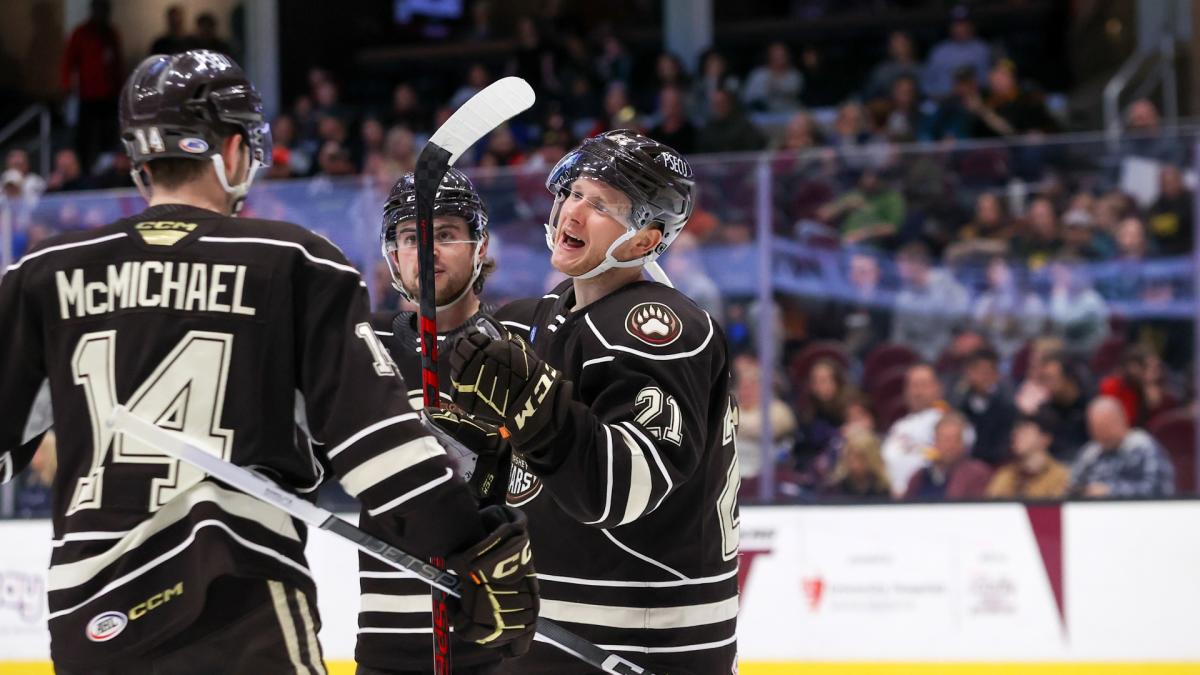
[[185, 105], [656, 178], [456, 196]]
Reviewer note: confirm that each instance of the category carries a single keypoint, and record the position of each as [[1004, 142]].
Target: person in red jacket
[[92, 68]]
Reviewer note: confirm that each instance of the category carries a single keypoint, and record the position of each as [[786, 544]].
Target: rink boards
[[860, 590]]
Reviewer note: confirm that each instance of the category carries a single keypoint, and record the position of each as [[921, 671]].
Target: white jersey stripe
[[514, 324], [613, 583], [670, 650], [363, 433], [641, 618], [640, 556], [234, 503], [6, 467], [412, 493], [314, 647], [385, 465], [87, 536], [286, 244], [121, 581], [63, 247], [602, 359], [640, 483], [608, 485], [396, 631], [395, 604], [662, 468], [656, 357], [286, 626]]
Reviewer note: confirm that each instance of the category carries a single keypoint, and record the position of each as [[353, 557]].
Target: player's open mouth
[[571, 242]]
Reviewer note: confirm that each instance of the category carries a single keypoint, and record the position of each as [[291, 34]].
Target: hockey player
[[394, 619], [617, 409], [246, 335]]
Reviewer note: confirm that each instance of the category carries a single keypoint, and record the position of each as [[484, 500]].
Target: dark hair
[[485, 270], [983, 354], [1043, 420]]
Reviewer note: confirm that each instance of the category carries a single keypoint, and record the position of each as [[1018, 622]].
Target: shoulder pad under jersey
[[651, 321]]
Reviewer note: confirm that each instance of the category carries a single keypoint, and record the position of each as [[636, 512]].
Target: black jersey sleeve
[[357, 410], [517, 316], [635, 427], [24, 394]]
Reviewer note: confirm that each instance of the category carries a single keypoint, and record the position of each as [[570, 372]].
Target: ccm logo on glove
[[510, 565], [539, 395]]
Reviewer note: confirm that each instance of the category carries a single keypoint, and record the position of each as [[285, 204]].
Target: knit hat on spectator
[[1077, 218]]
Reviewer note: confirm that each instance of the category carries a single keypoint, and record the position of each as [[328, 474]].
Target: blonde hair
[[867, 444]]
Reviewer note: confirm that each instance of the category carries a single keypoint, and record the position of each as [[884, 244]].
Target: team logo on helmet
[[106, 626], [675, 163], [195, 146], [654, 323]]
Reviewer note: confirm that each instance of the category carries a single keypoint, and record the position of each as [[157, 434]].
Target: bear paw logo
[[654, 323]]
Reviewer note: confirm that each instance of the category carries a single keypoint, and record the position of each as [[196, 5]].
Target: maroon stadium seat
[[1176, 430], [883, 358], [1107, 356]]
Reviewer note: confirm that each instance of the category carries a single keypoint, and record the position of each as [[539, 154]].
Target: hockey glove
[[499, 603], [489, 478], [504, 382]]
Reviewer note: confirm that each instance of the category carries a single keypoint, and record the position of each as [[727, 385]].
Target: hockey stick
[[183, 448], [482, 113]]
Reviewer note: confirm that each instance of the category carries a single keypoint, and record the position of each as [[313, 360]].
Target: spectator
[[823, 411], [908, 441], [951, 473], [960, 50], [674, 128], [614, 63], [1127, 384], [287, 158], [987, 402], [502, 149], [669, 72], [407, 110], [532, 59], [860, 474], [619, 113], [1007, 315], [774, 86], [905, 118], [206, 36], [92, 70], [371, 135], [1078, 314], [1131, 240], [823, 85], [34, 494], [714, 76], [400, 150], [1120, 461], [1011, 111], [987, 235], [1032, 393], [957, 116], [862, 318], [801, 133], [869, 214], [748, 387], [900, 63], [849, 127], [32, 185], [1033, 473], [335, 160], [68, 174], [685, 267], [1041, 241], [1065, 407], [931, 305], [174, 40], [477, 79], [1144, 136], [727, 129], [1171, 216], [1079, 236]]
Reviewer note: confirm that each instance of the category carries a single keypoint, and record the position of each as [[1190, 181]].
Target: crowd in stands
[[1001, 315]]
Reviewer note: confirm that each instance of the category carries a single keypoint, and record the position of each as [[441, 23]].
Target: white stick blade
[[498, 102]]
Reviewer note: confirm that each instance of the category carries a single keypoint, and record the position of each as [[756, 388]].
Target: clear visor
[[567, 192]]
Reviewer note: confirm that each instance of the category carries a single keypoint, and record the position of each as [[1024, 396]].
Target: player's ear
[[483, 246], [647, 240], [235, 154]]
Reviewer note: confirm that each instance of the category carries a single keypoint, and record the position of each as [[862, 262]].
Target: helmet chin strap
[[611, 262], [237, 192]]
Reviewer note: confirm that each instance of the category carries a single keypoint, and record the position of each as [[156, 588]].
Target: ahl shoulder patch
[[654, 324]]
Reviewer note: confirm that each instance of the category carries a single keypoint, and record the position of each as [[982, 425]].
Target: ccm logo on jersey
[[106, 626], [654, 323], [153, 602], [509, 565]]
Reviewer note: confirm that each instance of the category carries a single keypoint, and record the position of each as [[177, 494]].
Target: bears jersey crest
[[654, 323]]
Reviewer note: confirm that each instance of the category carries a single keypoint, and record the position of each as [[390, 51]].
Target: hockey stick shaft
[[483, 112], [181, 447]]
